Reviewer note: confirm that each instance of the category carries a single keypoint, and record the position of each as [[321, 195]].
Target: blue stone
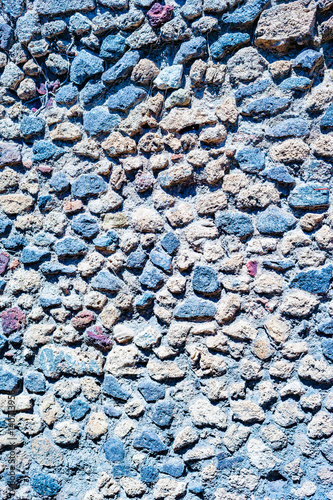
[[122, 68], [126, 98], [173, 467], [59, 182], [327, 120], [149, 474], [9, 381], [106, 282], [205, 280], [3, 342], [15, 339], [244, 16], [48, 301], [150, 441], [92, 91], [113, 47], [122, 470], [108, 242], [111, 411], [194, 48], [196, 309], [112, 387], [292, 127], [6, 35], [161, 260], [250, 160], [44, 485], [33, 255], [279, 265], [151, 277], [228, 43], [314, 280], [114, 450], [326, 328], [45, 150], [235, 223], [84, 66], [67, 94], [85, 226], [78, 409], [252, 88], [99, 121], [327, 347], [151, 391], [195, 486], [309, 196], [88, 185], [144, 300], [308, 61], [53, 268], [43, 239], [296, 84], [70, 247], [266, 106], [31, 125], [227, 463], [136, 260], [274, 220], [35, 382], [5, 224], [162, 413], [170, 242], [14, 241], [46, 203], [2, 285], [279, 174]]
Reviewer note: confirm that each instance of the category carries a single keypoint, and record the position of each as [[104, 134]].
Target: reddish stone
[[71, 207], [252, 267], [98, 339], [14, 263], [44, 169], [12, 320], [159, 14], [83, 319], [143, 181], [9, 154], [4, 259], [176, 157]]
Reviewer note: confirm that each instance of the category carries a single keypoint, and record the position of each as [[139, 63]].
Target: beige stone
[[234, 182], [257, 196], [124, 361], [97, 425], [169, 488], [179, 118], [268, 284], [50, 410], [198, 157], [260, 455], [277, 329], [247, 412], [66, 131], [213, 135], [291, 150], [107, 485], [37, 335], [294, 239], [324, 238], [299, 304], [227, 111], [211, 202], [204, 414], [310, 222], [118, 145], [66, 432], [283, 26], [88, 148], [166, 370], [14, 204], [181, 215], [147, 220], [323, 146], [280, 69], [241, 330], [45, 453]]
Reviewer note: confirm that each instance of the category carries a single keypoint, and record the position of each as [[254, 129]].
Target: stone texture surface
[[166, 250]]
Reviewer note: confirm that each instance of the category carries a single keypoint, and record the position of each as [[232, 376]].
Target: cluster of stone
[[166, 249]]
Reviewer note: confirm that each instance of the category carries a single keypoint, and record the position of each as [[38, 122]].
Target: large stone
[[55, 361], [246, 65], [274, 220], [179, 118], [85, 65], [53, 8], [195, 309], [314, 280], [204, 414], [247, 412], [287, 25]]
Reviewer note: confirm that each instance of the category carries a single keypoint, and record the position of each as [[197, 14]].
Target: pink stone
[[44, 169], [252, 267], [159, 14], [12, 320], [98, 339], [143, 181], [83, 319], [4, 259], [9, 154]]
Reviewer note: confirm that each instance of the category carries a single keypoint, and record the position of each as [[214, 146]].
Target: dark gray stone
[[70, 247], [85, 65], [114, 450], [235, 223], [193, 49], [292, 127], [227, 43], [113, 47], [113, 388], [314, 280], [250, 160], [67, 94], [99, 121], [150, 441], [205, 280], [266, 106], [122, 69], [151, 277], [85, 226], [309, 196], [274, 220], [88, 185], [126, 98], [104, 281]]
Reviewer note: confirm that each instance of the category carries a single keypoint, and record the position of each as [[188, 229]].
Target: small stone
[[150, 441]]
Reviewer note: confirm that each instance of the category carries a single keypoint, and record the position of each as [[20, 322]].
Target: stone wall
[[166, 250]]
